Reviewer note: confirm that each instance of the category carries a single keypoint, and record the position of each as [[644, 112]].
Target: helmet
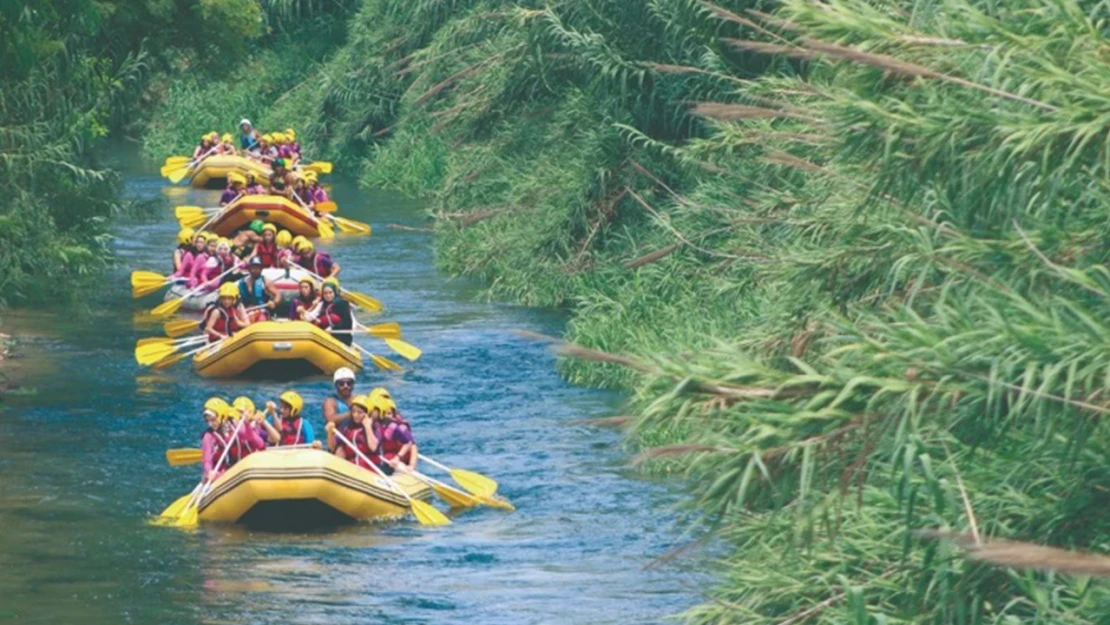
[[279, 162], [216, 406], [223, 242], [333, 283], [270, 227], [201, 235], [279, 138], [226, 137], [385, 404], [289, 132], [228, 289], [268, 138], [380, 392], [185, 236], [236, 177], [206, 136], [362, 400], [244, 121], [305, 246], [294, 400], [214, 136], [342, 373], [307, 280], [257, 225], [243, 403], [310, 176], [284, 238]]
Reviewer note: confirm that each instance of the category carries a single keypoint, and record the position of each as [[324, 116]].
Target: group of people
[[279, 150], [364, 429], [250, 300]]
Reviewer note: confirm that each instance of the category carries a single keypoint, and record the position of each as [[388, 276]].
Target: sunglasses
[[345, 383]]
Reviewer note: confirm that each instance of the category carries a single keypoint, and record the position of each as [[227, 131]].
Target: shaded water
[[81, 469]]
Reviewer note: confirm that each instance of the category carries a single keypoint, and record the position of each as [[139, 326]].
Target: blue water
[[82, 468]]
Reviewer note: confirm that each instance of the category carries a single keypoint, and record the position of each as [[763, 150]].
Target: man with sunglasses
[[344, 380]]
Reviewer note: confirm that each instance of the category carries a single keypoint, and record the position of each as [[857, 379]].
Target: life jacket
[[247, 141], [305, 196], [391, 445], [277, 182], [256, 296], [268, 254], [223, 321], [221, 444], [314, 264], [319, 194], [290, 433], [356, 434], [187, 257]]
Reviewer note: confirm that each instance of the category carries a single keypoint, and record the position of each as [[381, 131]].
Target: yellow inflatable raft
[[285, 349], [212, 172], [304, 488], [276, 209]]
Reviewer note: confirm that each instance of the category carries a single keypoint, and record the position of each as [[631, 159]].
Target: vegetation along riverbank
[[847, 256]]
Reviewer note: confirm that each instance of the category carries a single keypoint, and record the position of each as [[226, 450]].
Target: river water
[[82, 468]]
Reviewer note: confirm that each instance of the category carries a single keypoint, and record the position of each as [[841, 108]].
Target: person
[[280, 178], [285, 253], [292, 428], [319, 263], [214, 271], [285, 150], [183, 253], [236, 183], [248, 136], [248, 440], [333, 313], [226, 317], [293, 145], [337, 407], [302, 195], [398, 444], [305, 300], [212, 442], [200, 259], [267, 250], [319, 195], [255, 292], [200, 247], [254, 187], [246, 240], [362, 431], [205, 148], [227, 146]]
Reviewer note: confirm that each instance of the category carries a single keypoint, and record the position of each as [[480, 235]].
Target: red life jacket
[[391, 446], [291, 432], [221, 444], [223, 321], [357, 435], [268, 255]]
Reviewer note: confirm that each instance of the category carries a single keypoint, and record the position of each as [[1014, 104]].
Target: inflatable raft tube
[[279, 349], [303, 488], [284, 280], [276, 209], [212, 172]]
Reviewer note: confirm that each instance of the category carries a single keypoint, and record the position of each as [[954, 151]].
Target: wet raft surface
[[81, 467]]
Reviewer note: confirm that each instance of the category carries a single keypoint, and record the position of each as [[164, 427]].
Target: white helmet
[[245, 121], [342, 373]]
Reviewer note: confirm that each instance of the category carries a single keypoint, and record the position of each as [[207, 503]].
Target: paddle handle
[[392, 485]]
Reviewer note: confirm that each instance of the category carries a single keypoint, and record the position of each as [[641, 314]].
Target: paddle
[[407, 350], [188, 518], [157, 340], [144, 283], [322, 227], [182, 457], [390, 329], [182, 212], [320, 167], [425, 513], [358, 299], [475, 483], [190, 222], [326, 207], [453, 496], [168, 308], [381, 362], [176, 173]]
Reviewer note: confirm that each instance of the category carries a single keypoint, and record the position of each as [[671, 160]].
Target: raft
[[212, 172], [277, 349], [285, 282], [276, 209], [301, 487]]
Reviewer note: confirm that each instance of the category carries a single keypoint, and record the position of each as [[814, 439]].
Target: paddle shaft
[[205, 481], [392, 485], [217, 213]]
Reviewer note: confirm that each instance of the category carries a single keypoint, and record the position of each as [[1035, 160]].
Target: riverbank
[[848, 260]]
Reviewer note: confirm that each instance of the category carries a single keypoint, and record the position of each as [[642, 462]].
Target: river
[[82, 468]]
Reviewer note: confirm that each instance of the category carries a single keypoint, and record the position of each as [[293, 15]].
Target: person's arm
[[331, 411], [210, 326], [241, 316], [275, 295], [334, 269], [251, 438], [177, 254], [272, 435], [413, 451], [372, 441], [208, 453], [330, 429], [314, 312]]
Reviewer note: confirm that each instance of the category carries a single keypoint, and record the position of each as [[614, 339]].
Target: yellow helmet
[[214, 136], [206, 136], [306, 280], [270, 227], [310, 176], [294, 400], [217, 406], [201, 235], [380, 392], [305, 245], [289, 132], [226, 138], [284, 238], [386, 404], [268, 138], [361, 400], [242, 404], [228, 289], [236, 177], [186, 236]]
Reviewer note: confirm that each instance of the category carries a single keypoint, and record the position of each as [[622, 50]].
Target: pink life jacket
[[186, 267]]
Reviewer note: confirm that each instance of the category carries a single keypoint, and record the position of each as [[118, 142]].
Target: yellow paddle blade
[[353, 227], [455, 498], [320, 167], [165, 309], [427, 515], [364, 302], [176, 508], [475, 483], [188, 518], [150, 354], [387, 330], [183, 457], [494, 501], [408, 351], [326, 207], [171, 360], [181, 327], [326, 231], [143, 291], [166, 170], [385, 363], [342, 228], [154, 340], [186, 211], [193, 221], [177, 159], [143, 278], [180, 174]]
